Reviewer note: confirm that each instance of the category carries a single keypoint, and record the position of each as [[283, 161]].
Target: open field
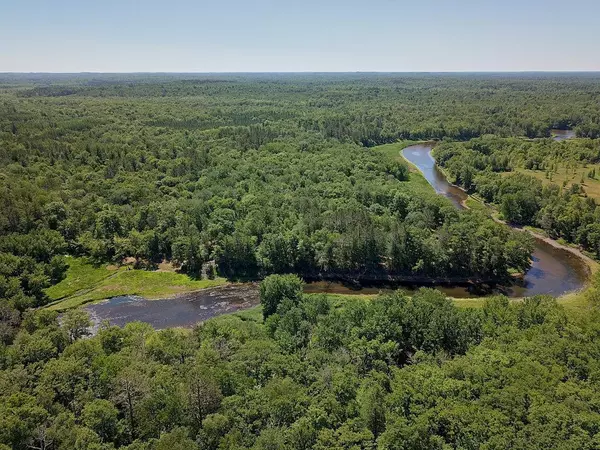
[[81, 275], [567, 177], [86, 283]]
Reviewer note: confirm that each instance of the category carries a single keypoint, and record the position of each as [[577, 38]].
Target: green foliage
[[76, 322], [128, 282], [262, 175], [523, 199], [80, 275], [277, 288], [177, 439], [101, 416], [388, 372], [272, 175]]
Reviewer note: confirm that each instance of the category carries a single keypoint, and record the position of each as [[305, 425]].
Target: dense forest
[[252, 175], [391, 373], [490, 167], [259, 176]]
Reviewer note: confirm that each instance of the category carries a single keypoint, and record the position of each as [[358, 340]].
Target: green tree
[[101, 416], [177, 439], [76, 323], [371, 399], [203, 396], [276, 288]]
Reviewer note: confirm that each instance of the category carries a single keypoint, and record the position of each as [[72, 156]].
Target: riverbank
[[470, 201], [556, 269], [86, 283]]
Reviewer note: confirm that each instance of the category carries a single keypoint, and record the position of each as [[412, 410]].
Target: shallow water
[[562, 135], [553, 271], [185, 310]]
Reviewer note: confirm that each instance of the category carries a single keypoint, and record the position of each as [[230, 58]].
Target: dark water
[[553, 271], [562, 135], [335, 287], [184, 310]]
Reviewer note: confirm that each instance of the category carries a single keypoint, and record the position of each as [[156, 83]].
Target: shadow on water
[[563, 135], [465, 290]]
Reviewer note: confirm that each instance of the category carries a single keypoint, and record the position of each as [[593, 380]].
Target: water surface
[[420, 156], [563, 135], [184, 310], [553, 271]]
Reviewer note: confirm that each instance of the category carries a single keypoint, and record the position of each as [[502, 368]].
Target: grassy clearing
[[570, 176], [393, 150], [80, 275], [85, 283]]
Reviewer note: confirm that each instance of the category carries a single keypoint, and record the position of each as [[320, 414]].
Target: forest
[[278, 179], [242, 177], [395, 372]]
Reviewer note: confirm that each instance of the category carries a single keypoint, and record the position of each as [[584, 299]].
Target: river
[[562, 135], [553, 271], [184, 310]]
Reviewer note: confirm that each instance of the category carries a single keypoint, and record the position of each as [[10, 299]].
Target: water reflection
[[553, 271], [562, 135]]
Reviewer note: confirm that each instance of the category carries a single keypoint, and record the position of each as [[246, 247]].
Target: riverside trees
[[389, 372], [259, 174], [495, 168]]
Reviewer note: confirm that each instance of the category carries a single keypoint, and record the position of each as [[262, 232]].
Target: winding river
[[553, 271]]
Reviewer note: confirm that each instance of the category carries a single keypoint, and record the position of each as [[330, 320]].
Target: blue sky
[[299, 35]]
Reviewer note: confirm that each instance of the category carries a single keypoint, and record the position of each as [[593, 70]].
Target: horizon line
[[85, 72]]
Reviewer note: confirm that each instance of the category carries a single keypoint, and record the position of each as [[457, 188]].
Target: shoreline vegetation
[[591, 264], [273, 174], [119, 281], [569, 298], [87, 283]]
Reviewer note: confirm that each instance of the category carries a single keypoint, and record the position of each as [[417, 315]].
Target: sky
[[299, 35]]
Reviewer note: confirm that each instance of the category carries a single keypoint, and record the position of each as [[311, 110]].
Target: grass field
[[417, 182], [572, 176], [81, 275], [393, 150], [86, 283]]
